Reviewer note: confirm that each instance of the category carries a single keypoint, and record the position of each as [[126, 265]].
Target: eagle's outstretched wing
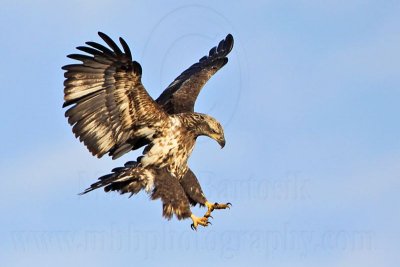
[[181, 94], [111, 112]]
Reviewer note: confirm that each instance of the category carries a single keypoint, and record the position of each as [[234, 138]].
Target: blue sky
[[309, 102]]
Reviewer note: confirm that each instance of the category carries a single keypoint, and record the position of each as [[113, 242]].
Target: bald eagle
[[112, 113]]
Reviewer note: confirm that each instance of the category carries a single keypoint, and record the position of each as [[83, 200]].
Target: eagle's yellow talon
[[216, 206], [203, 221]]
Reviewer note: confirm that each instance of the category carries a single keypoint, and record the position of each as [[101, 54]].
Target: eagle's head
[[208, 126]]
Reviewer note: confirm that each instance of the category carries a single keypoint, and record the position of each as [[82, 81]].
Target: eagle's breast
[[171, 148]]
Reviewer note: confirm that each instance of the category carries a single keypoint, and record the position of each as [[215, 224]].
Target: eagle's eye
[[214, 130]]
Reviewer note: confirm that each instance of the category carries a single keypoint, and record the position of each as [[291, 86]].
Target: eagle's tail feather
[[125, 179], [159, 183]]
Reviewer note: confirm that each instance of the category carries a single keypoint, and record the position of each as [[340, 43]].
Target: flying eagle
[[112, 113]]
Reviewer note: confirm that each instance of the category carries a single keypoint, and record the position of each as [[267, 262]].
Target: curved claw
[[203, 221], [221, 206], [209, 223], [215, 206], [208, 215]]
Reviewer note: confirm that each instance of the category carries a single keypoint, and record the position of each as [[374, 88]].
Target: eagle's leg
[[195, 194], [192, 189], [198, 221], [215, 206]]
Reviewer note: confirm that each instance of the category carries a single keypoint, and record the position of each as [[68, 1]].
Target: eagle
[[111, 112]]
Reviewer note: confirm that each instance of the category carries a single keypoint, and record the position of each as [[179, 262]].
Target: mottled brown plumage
[[112, 113]]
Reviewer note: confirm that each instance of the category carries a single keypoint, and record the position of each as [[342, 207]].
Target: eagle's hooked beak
[[221, 142], [219, 138]]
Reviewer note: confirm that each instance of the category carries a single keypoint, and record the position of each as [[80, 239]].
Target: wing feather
[[111, 43], [181, 94], [107, 52], [125, 47], [109, 103]]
